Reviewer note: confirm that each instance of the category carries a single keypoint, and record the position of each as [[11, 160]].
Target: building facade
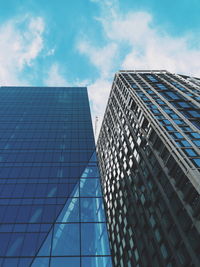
[[51, 208], [149, 158]]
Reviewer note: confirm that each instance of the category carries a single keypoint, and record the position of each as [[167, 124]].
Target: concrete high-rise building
[[51, 207], [149, 158]]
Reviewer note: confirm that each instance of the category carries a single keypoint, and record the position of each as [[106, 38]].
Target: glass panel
[[194, 113], [90, 172], [92, 210], [70, 212], [96, 261], [46, 246], [90, 188], [64, 262], [94, 239], [15, 245], [161, 86], [30, 244], [151, 78], [40, 262], [190, 152], [66, 240], [196, 142], [10, 262], [197, 162], [36, 215]]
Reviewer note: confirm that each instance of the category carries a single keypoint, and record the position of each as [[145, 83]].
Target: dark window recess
[[165, 154], [179, 177], [188, 190], [182, 256], [170, 163], [161, 205], [158, 144], [166, 219], [152, 159], [143, 142], [195, 204], [152, 136], [197, 124], [145, 124], [174, 236], [133, 105], [184, 219], [155, 262], [175, 203], [156, 168], [168, 189], [194, 239]]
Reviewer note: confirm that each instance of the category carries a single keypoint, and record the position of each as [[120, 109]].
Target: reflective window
[[151, 78], [190, 152], [94, 239], [96, 261], [90, 188], [197, 162], [66, 240], [65, 261], [92, 210], [47, 160]]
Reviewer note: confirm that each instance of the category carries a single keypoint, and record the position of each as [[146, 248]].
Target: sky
[[85, 42]]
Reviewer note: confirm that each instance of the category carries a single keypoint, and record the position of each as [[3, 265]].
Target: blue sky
[[84, 42]]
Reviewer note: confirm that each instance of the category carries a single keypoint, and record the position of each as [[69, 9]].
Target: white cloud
[[20, 43], [54, 78], [101, 58], [133, 41], [151, 48]]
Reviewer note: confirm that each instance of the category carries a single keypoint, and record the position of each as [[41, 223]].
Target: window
[[158, 235], [190, 152], [182, 256], [195, 135], [178, 135], [164, 251], [174, 236], [152, 221], [197, 162], [184, 104], [173, 95], [179, 122], [134, 85], [170, 128], [94, 239], [194, 113], [161, 86], [196, 142], [183, 143], [151, 78]]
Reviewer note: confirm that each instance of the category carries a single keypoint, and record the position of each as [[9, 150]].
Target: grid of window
[[51, 207], [148, 170], [172, 114]]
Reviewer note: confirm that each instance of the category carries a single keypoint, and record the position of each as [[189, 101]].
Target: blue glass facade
[[51, 208]]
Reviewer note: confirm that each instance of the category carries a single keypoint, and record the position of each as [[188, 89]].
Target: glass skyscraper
[[149, 158], [51, 208]]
